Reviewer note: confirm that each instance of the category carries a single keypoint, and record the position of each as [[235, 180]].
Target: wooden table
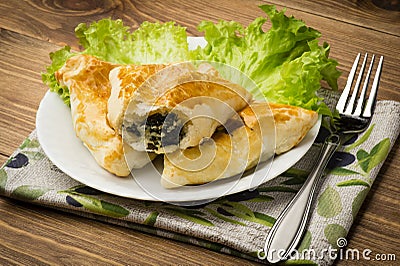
[[29, 30]]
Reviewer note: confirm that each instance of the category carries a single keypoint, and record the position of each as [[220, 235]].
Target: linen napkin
[[236, 224]]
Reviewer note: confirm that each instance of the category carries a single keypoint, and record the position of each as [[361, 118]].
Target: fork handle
[[291, 223]]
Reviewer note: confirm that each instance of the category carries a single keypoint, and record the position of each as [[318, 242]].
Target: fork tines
[[368, 108]]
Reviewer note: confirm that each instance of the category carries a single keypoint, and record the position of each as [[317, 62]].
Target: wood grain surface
[[29, 30]]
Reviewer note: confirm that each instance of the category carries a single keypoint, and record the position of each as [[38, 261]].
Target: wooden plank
[[367, 14], [55, 22], [51, 20], [33, 235], [22, 88]]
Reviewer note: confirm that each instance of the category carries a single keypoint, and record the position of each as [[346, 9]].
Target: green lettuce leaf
[[285, 62], [113, 42], [157, 43], [151, 43], [58, 59], [106, 39]]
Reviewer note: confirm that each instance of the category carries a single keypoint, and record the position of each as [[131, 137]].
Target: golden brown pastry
[[87, 79], [125, 80], [291, 123], [250, 141], [179, 106]]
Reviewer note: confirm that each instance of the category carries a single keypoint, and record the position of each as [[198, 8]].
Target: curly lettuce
[[111, 41], [285, 62], [58, 59]]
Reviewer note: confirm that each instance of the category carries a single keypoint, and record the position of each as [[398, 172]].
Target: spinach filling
[[161, 130]]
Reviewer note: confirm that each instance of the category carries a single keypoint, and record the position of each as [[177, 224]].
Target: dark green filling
[[163, 130]]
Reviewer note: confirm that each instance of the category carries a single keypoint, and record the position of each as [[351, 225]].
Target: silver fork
[[291, 223]]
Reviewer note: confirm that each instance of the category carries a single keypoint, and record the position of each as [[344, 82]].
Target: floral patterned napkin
[[236, 224]]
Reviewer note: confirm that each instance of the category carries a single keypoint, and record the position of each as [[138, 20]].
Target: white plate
[[66, 151]]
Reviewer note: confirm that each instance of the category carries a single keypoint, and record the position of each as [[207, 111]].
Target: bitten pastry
[[87, 80], [179, 106], [262, 130]]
